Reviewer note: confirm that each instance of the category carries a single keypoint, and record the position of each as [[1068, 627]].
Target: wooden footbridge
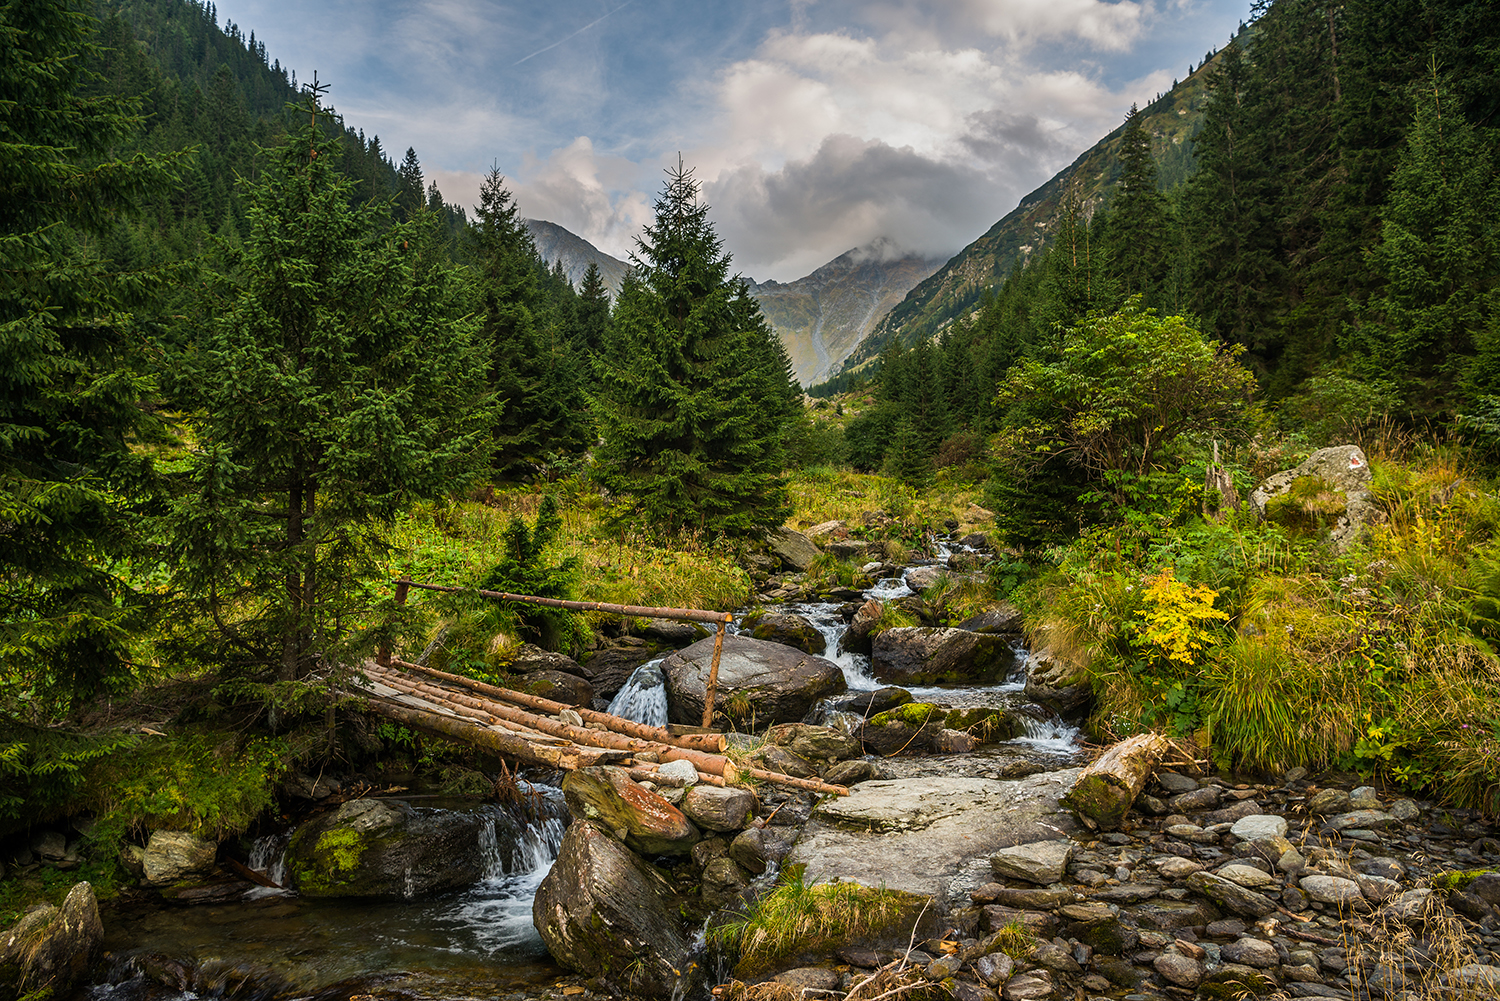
[[538, 731]]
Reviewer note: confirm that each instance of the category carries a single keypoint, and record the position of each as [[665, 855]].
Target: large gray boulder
[[760, 683], [604, 912], [387, 849], [922, 655], [1059, 685], [787, 629], [857, 638], [52, 948], [795, 550], [1331, 487], [174, 856]]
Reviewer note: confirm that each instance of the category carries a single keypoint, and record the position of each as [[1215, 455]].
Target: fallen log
[[1106, 789], [713, 743], [507, 743], [246, 873]]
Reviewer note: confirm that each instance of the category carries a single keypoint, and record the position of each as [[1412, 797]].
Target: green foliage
[[523, 571], [42, 768], [695, 394], [1335, 408]]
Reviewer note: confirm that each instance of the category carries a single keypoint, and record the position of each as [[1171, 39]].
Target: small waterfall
[[268, 857], [826, 619], [644, 697], [1048, 734], [496, 913], [889, 587], [489, 851]]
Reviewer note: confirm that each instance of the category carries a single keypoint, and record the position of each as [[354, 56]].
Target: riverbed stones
[[1029, 986], [52, 948], [1259, 825], [1333, 890], [926, 655], [1179, 970], [1041, 862], [759, 683], [788, 629], [858, 637], [639, 817], [1230, 895], [604, 912], [174, 856], [718, 808], [387, 849]]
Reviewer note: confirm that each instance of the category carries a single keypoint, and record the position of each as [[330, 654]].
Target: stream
[[477, 942]]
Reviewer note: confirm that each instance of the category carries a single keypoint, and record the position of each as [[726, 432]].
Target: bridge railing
[[723, 619]]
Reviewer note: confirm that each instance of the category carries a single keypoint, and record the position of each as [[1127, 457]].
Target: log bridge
[[538, 731]]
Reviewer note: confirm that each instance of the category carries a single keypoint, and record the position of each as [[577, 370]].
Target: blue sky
[[816, 126]]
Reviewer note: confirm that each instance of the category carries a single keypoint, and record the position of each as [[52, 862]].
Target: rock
[[815, 743], [1063, 687], [1247, 875], [1235, 981], [914, 834], [52, 948], [1405, 810], [994, 968], [173, 856], [1179, 970], [609, 667], [1486, 886], [868, 704], [847, 773], [908, 729], [378, 848], [852, 550], [1059, 959], [1098, 925], [1028, 986], [718, 808], [49, 845], [783, 762], [1004, 619], [1042, 862], [721, 875], [1378, 889], [921, 578], [1034, 898], [795, 550], [923, 655], [953, 742], [858, 637], [529, 657], [1372, 819], [826, 530], [1196, 799], [1171, 915], [748, 850], [677, 635], [1177, 868], [944, 967], [1328, 802], [1412, 907], [678, 773], [1332, 487], [639, 817], [814, 978], [1175, 784], [1332, 890], [759, 683], [1364, 798], [301, 785], [1231, 896], [1259, 825], [569, 689], [1475, 976], [1252, 952], [1107, 789], [787, 629], [603, 912]]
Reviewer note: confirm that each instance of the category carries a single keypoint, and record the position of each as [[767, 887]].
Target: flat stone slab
[[932, 834], [1259, 825]]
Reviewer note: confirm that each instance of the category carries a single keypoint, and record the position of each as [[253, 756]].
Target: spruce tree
[[1139, 230], [74, 384], [593, 313], [694, 395], [410, 194], [338, 379]]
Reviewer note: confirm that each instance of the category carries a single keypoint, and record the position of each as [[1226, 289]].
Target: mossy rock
[[1457, 879], [985, 724], [1310, 506], [912, 714]]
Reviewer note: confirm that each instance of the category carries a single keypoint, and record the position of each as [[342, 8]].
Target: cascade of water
[[268, 857], [489, 850], [644, 697]]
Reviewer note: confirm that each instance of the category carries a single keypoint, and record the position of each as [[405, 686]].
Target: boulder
[[1004, 619], [604, 912], [718, 808], [559, 686], [828, 530], [1331, 491], [849, 549], [1041, 862], [1063, 687], [922, 655], [52, 948], [387, 849], [529, 657], [912, 728], [672, 633], [795, 550], [787, 629], [633, 813], [921, 578], [609, 667], [868, 704], [815, 743], [773, 758], [847, 773], [174, 856], [760, 683], [858, 637]]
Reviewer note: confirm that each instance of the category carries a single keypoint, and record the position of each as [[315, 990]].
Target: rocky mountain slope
[[555, 243], [822, 318]]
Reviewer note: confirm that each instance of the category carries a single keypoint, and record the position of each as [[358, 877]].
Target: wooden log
[[713, 743], [816, 785], [644, 771], [1106, 789], [258, 878], [713, 678], [506, 743]]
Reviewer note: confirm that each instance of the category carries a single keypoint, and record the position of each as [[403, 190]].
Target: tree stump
[[1104, 792]]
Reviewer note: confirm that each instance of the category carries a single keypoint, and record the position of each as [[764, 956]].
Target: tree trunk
[[1105, 791]]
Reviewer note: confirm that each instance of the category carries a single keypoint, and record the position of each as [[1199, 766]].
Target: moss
[[1457, 879], [986, 724], [912, 714], [336, 854], [1310, 506]]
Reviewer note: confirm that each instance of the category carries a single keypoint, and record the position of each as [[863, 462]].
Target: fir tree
[[1139, 229], [694, 395], [593, 312], [410, 195]]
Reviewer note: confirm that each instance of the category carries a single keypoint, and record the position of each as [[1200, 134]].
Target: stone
[[1028, 897], [1364, 798], [795, 550], [1405, 810], [674, 634], [679, 772], [1475, 976], [49, 845], [1247, 875], [51, 949], [1004, 618], [1259, 825], [1229, 814], [1172, 915], [809, 978], [387, 849], [1059, 959], [871, 704], [1062, 685], [914, 834], [944, 967], [642, 819], [1233, 980], [300, 785], [1173, 867], [1098, 926], [994, 968], [721, 875], [1252, 952], [1486, 886], [924, 655], [1198, 799], [1332, 890], [1366, 819], [921, 578], [569, 689], [847, 773], [1341, 478], [609, 667], [174, 856], [1042, 862], [1327, 802], [859, 636], [1029, 986], [603, 912], [1291, 861], [787, 629], [1175, 784], [1182, 971], [718, 808], [1231, 896], [1378, 889], [954, 742], [748, 850], [1412, 907], [759, 683], [529, 658], [774, 758], [826, 530], [815, 743]]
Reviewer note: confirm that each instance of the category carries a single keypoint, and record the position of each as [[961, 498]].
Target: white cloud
[[593, 195]]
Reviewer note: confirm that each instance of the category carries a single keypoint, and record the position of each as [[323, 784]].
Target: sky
[[814, 126]]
